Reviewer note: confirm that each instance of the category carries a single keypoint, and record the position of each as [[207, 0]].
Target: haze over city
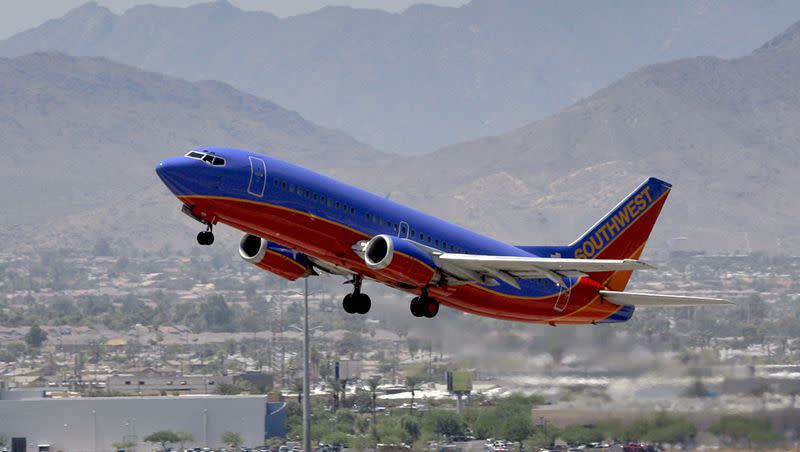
[[522, 121]]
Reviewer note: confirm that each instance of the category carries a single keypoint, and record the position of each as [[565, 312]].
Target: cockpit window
[[208, 158]]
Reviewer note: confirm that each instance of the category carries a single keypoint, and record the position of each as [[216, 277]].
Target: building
[[94, 424], [164, 384]]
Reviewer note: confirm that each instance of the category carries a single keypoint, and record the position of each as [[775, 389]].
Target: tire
[[364, 303], [349, 304], [416, 307], [431, 308], [201, 238]]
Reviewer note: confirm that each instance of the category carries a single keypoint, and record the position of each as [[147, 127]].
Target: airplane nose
[[173, 172]]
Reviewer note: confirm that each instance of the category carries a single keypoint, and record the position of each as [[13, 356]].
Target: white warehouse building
[[94, 424]]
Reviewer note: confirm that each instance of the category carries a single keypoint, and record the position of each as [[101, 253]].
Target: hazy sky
[[19, 15]]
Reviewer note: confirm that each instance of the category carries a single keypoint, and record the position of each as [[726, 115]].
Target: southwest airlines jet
[[299, 223]]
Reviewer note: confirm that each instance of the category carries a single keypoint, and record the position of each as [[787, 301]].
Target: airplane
[[298, 223]]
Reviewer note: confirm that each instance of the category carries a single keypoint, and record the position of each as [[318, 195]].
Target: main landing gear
[[356, 302], [206, 237], [424, 306]]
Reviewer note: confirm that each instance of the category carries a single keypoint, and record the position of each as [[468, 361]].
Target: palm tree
[[373, 387], [412, 383], [335, 387]]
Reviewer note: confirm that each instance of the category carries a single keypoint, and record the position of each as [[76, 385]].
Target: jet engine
[[400, 259], [274, 258]]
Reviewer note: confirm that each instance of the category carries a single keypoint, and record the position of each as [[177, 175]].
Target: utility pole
[[306, 375]]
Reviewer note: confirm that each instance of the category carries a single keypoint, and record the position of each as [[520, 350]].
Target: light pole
[[306, 374]]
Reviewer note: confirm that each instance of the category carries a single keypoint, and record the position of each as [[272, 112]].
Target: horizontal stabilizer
[[651, 299]]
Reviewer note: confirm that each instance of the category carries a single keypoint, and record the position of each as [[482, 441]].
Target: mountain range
[[425, 78], [81, 136], [78, 133]]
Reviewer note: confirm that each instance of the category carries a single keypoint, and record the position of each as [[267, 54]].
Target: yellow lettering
[[613, 227], [579, 254], [604, 230], [591, 249], [596, 241], [641, 203], [623, 218], [646, 192]]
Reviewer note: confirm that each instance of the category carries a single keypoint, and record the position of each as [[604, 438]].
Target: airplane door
[[402, 230], [258, 177]]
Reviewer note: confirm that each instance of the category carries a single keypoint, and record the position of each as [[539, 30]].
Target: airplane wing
[[649, 299], [482, 268]]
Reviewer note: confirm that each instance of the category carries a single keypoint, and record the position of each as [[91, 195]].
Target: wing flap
[[661, 300], [506, 268], [515, 264]]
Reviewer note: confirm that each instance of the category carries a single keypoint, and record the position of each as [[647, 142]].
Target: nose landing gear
[[206, 237]]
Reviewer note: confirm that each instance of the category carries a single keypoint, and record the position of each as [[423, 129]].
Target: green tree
[[123, 445], [410, 429], [35, 336], [517, 428], [183, 438], [373, 389], [577, 434], [412, 384], [232, 439], [218, 314], [163, 437], [447, 423], [737, 428]]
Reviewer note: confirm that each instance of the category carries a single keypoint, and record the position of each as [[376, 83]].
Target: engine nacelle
[[400, 259], [274, 258]]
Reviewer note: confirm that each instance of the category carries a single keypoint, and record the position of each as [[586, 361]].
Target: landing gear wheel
[[205, 238], [416, 307], [431, 307], [363, 303], [350, 304]]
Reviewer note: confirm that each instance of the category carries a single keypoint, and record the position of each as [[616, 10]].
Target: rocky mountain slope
[[723, 131], [78, 133], [425, 78]]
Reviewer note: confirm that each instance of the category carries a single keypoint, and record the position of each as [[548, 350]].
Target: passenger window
[[383, 223], [275, 181], [413, 234], [337, 204], [308, 194], [394, 226], [299, 191], [330, 203], [291, 188], [444, 245], [437, 242], [421, 236], [375, 219], [353, 210], [283, 185], [403, 229], [316, 197], [429, 239]]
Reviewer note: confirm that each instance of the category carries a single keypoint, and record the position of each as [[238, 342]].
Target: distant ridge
[[424, 78], [81, 132]]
